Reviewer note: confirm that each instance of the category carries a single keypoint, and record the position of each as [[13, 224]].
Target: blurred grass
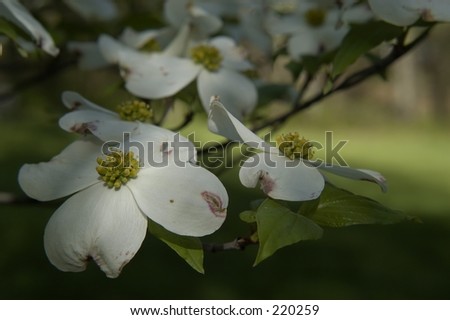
[[407, 261]]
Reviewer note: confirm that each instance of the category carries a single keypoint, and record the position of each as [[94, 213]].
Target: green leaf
[[8, 29], [188, 248], [307, 208], [341, 208], [248, 216], [360, 39], [279, 227], [312, 64]]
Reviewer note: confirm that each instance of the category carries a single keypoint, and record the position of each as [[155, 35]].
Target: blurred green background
[[398, 128]]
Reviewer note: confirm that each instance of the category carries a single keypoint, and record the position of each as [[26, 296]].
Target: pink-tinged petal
[[183, 198], [281, 178], [70, 171], [97, 223], [236, 91], [356, 174], [222, 122]]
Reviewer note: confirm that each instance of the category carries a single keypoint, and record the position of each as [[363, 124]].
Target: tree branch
[[237, 244]]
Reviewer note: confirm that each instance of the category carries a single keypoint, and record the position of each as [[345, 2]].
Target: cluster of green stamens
[[315, 17], [208, 56], [294, 147], [151, 45], [135, 110], [117, 168]]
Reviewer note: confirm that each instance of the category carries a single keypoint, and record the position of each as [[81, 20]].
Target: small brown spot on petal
[[215, 204], [172, 201], [163, 71], [267, 183], [427, 15], [76, 105]]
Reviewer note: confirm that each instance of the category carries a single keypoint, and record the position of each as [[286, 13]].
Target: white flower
[[280, 177], [13, 11], [180, 13], [216, 64], [106, 217], [407, 12], [317, 27]]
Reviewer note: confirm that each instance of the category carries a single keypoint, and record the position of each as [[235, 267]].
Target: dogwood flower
[[407, 12], [115, 188], [13, 11], [84, 112], [284, 172], [316, 27], [216, 64]]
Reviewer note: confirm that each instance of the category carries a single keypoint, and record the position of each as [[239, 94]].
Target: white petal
[[15, 12], [179, 44], [137, 39], [281, 178], [86, 121], [309, 41], [204, 23], [154, 146], [235, 91], [70, 171], [157, 76], [222, 122], [233, 56], [181, 12], [94, 9], [177, 11], [184, 199], [89, 55], [394, 12], [357, 174], [431, 10], [75, 101], [98, 223]]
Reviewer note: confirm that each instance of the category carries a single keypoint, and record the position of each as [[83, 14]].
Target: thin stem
[[398, 51], [237, 244]]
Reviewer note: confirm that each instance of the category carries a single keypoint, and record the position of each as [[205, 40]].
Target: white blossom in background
[[90, 56], [407, 12], [315, 27], [113, 194], [94, 9], [280, 175], [243, 21], [216, 64], [15, 12]]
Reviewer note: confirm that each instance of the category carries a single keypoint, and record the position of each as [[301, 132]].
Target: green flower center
[[151, 45], [294, 147], [135, 110], [315, 17], [117, 168], [208, 56]]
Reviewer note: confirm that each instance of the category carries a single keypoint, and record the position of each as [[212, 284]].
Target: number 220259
[[295, 310]]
